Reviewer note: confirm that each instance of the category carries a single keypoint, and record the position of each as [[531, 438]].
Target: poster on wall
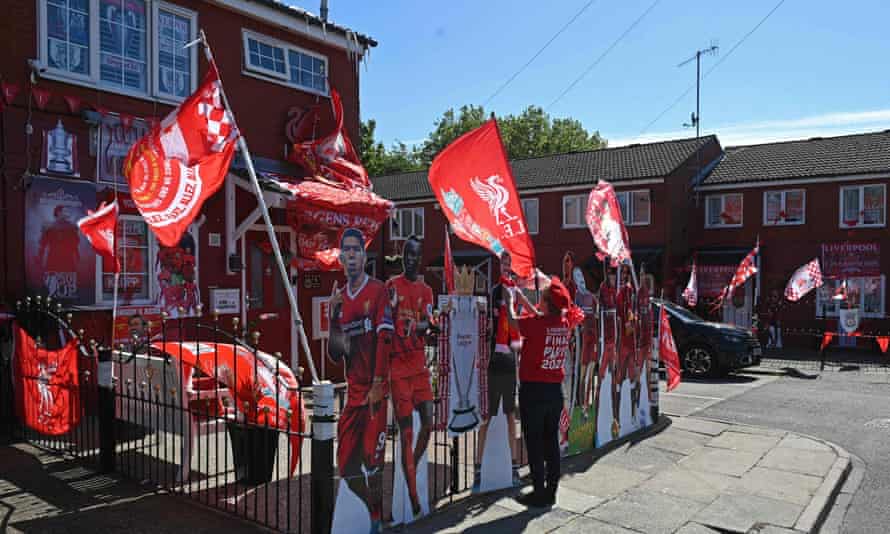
[[848, 260], [114, 140], [151, 317], [177, 274], [59, 154], [59, 261]]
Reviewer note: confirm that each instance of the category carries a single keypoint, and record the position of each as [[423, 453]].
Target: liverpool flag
[[607, 225], [691, 291], [182, 161], [473, 182], [100, 229], [804, 280]]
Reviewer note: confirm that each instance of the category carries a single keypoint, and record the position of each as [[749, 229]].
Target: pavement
[[692, 476]]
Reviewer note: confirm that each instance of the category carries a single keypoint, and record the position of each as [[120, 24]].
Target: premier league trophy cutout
[[464, 348]]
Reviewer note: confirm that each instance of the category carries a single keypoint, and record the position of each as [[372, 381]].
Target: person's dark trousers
[[540, 405]]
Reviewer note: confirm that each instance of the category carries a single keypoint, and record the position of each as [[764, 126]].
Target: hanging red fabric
[[47, 385]]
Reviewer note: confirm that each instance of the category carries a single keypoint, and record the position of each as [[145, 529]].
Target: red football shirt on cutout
[[544, 349], [414, 302]]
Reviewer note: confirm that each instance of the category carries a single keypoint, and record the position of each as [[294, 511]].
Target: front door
[[737, 309], [268, 309]]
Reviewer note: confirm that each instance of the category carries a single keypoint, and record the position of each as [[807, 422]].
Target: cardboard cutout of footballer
[[410, 386], [361, 335]]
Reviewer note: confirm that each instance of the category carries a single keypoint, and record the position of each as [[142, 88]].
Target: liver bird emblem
[[495, 195]]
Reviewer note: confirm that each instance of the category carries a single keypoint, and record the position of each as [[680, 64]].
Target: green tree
[[380, 161]]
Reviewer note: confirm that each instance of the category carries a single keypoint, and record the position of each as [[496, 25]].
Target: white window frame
[[722, 197], [822, 311], [581, 203], [262, 73], [155, 39], [152, 251], [859, 223], [629, 221], [537, 206], [395, 232], [784, 193], [92, 80]]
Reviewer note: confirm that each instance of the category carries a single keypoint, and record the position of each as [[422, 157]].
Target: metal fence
[[805, 349]]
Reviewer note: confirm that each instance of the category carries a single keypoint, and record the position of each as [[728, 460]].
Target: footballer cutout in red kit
[[361, 336], [412, 301]]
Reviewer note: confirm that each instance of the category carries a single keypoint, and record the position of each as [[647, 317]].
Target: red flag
[[746, 269], [804, 280], [691, 291], [100, 229], [473, 182], [332, 159], [667, 350], [266, 392], [9, 91], [449, 265], [182, 161], [606, 224], [883, 342], [47, 385], [826, 339], [73, 103], [41, 97]]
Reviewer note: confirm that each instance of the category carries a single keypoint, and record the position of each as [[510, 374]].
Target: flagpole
[[270, 231]]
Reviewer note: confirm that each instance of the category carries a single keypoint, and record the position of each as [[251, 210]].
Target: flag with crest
[[804, 280]]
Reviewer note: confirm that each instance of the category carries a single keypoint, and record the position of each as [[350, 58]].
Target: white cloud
[[748, 133]]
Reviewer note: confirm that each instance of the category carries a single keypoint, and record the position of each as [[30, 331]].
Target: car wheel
[[699, 361]]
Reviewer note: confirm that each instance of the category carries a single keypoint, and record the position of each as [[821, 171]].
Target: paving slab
[[588, 525], [698, 486], [459, 518], [742, 441], [725, 461], [739, 513], [642, 458], [793, 441], [604, 481], [759, 431], [576, 501], [700, 426], [815, 463], [678, 441], [696, 528], [646, 511], [771, 529], [781, 485]]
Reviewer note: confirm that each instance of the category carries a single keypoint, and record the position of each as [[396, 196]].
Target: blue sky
[[814, 68]]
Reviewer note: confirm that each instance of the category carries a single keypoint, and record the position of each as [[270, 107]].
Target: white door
[[737, 310]]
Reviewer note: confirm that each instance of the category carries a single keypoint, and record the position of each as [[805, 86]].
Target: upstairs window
[[723, 211], [530, 209], [781, 208], [406, 222], [283, 63], [635, 207], [863, 206], [573, 207]]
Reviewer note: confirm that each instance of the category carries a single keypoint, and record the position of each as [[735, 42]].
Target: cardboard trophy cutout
[[463, 413]]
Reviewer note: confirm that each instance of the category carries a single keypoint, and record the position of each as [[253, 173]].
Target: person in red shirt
[[546, 337], [587, 301], [361, 329], [608, 296], [59, 254], [627, 323], [409, 375]]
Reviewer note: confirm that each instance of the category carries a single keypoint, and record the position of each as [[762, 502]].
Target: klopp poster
[[60, 263]]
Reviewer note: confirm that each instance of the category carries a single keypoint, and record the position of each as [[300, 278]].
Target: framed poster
[[225, 301]]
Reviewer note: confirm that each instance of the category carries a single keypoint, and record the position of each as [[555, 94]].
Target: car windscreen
[[682, 313]]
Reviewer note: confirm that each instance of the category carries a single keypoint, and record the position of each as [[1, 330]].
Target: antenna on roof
[[695, 120]]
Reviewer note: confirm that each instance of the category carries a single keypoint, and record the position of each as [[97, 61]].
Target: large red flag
[[606, 224], [182, 161], [47, 385], [100, 229], [472, 179], [332, 159], [449, 265], [746, 269], [667, 350]]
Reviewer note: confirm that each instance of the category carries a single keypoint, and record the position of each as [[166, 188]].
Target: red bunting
[[883, 342], [826, 339], [73, 102], [9, 91], [41, 97]]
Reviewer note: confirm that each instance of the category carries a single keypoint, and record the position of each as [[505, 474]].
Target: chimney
[[324, 10]]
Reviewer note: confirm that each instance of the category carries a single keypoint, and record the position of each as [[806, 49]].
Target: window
[[278, 61], [406, 222], [634, 207], [573, 211], [119, 45], [723, 211], [867, 294], [863, 206], [781, 208], [136, 246], [530, 209]]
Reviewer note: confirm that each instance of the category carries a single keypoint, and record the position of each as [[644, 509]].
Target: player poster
[[580, 375], [60, 263]]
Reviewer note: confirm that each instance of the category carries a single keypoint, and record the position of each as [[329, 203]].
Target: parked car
[[707, 348]]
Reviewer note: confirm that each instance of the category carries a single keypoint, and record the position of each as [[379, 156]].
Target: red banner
[[603, 216], [667, 351], [712, 279], [848, 259], [473, 182], [48, 390], [182, 162]]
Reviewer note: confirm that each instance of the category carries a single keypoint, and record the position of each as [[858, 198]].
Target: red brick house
[[81, 80], [653, 181], [820, 198]]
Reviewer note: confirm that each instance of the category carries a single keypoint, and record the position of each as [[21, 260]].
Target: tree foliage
[[531, 133]]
